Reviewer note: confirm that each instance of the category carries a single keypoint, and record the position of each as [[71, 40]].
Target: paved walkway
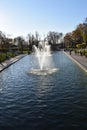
[[7, 63], [80, 60]]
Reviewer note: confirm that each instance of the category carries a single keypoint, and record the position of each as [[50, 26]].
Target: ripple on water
[[43, 101], [43, 72]]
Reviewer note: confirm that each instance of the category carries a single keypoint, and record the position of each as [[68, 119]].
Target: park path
[[80, 60], [9, 62]]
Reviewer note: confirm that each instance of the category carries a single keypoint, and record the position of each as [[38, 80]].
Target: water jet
[[44, 57]]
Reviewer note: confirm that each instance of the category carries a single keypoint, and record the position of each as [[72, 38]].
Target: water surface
[[38, 102]]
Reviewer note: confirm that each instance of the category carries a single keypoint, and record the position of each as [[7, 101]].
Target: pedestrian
[[70, 52]]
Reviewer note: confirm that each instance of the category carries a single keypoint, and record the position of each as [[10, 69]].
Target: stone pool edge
[[8, 63], [77, 62]]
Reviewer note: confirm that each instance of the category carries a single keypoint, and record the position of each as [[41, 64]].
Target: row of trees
[[78, 37], [19, 44], [53, 38], [6, 43], [11, 47]]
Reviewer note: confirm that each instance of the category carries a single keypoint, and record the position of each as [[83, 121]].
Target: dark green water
[[40, 102]]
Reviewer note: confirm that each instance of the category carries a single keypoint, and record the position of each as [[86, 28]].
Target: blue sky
[[20, 17]]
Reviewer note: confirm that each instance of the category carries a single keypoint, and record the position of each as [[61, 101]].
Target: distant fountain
[[42, 52], [43, 55]]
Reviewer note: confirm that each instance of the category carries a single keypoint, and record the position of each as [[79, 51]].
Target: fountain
[[44, 57]]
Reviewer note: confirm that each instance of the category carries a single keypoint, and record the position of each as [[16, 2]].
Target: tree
[[54, 37], [30, 41], [2, 39], [77, 36], [4, 42], [85, 31], [20, 43], [33, 40], [68, 40]]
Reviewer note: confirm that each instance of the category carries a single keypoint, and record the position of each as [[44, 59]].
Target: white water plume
[[44, 57]]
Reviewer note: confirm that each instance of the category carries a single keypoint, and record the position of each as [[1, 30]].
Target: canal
[[40, 102]]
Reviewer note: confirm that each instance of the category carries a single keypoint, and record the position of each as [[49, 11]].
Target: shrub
[[11, 54], [86, 55], [2, 57]]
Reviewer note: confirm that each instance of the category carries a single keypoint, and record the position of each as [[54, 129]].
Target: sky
[[21, 17]]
